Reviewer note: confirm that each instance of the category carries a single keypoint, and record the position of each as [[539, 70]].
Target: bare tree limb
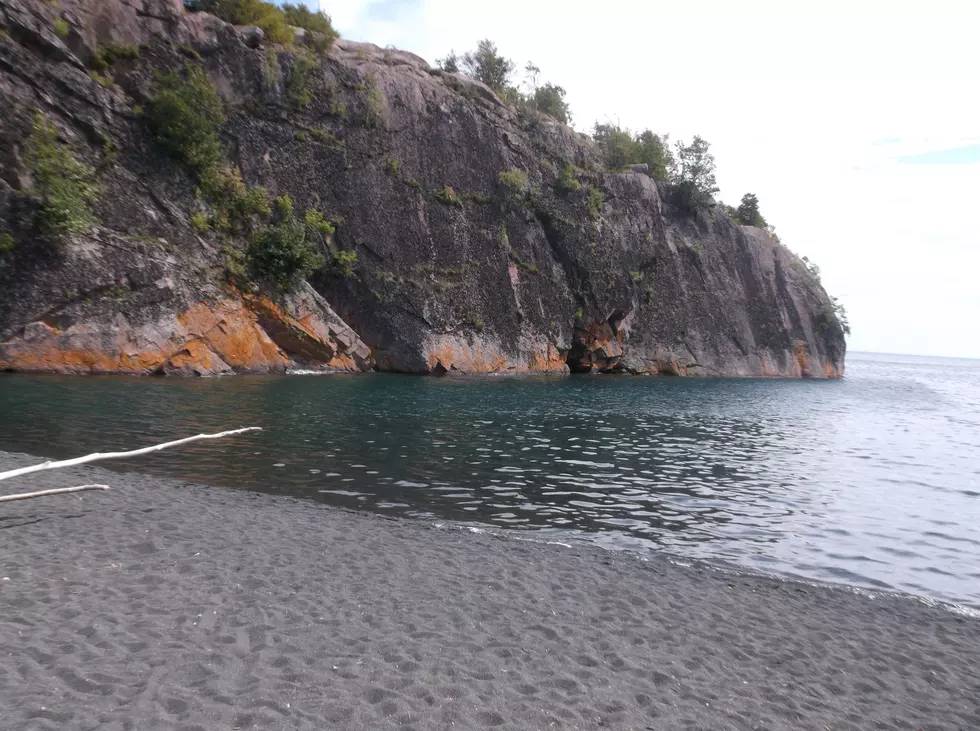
[[54, 491], [118, 455]]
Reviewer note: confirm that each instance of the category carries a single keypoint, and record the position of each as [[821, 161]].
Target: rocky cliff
[[554, 266]]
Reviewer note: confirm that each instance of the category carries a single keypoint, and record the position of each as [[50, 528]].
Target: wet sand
[[166, 605]]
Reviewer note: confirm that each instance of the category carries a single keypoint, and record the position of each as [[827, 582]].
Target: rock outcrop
[[558, 268]]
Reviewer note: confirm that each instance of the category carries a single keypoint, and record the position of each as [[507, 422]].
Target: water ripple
[[871, 480]]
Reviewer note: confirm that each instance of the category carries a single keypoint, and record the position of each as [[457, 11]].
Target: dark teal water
[[873, 480]]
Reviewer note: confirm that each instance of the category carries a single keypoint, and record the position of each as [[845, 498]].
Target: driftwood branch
[[117, 455], [54, 491]]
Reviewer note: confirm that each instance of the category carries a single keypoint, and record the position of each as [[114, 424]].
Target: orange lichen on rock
[[803, 358], [244, 333], [552, 360], [830, 371], [233, 333], [52, 358], [305, 333], [455, 353], [196, 359]]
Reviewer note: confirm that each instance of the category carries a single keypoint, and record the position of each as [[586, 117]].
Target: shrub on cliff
[[617, 146], [65, 186], [450, 64], [268, 17], [566, 180], [693, 174], [286, 249], [515, 182], [186, 115], [447, 196], [314, 21], [621, 148], [487, 65], [106, 54], [654, 150], [550, 99], [747, 212], [841, 314], [7, 242], [301, 79], [234, 202]]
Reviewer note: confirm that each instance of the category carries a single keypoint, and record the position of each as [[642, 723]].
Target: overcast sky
[[859, 129]]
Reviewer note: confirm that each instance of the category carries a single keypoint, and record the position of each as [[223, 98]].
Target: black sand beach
[[164, 605]]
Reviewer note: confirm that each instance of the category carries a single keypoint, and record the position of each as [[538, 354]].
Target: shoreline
[[163, 604]]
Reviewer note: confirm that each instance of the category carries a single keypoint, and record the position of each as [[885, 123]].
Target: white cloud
[[808, 108]]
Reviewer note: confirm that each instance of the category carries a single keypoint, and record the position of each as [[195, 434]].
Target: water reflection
[[871, 480]]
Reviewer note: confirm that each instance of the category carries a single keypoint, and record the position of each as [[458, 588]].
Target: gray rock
[[251, 36], [504, 281]]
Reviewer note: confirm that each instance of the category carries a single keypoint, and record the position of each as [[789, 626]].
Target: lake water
[[873, 480]]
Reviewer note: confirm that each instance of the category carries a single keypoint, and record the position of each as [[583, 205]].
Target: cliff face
[[455, 271]]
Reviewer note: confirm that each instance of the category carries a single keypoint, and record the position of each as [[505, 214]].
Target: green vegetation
[[271, 19], [199, 222], [344, 263], [550, 99], [285, 249], [594, 202], [315, 221], [841, 314], [234, 202], [836, 312], [488, 66], [447, 196], [272, 69], [7, 243], [621, 148], [566, 181], [515, 182], [107, 54], [325, 137], [747, 212], [375, 111], [61, 28], [302, 17], [65, 186], [189, 51], [812, 268], [450, 64], [110, 153], [276, 22], [302, 78], [186, 115], [317, 22], [693, 174], [103, 80]]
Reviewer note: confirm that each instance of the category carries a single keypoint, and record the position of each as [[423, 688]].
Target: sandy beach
[[167, 605]]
